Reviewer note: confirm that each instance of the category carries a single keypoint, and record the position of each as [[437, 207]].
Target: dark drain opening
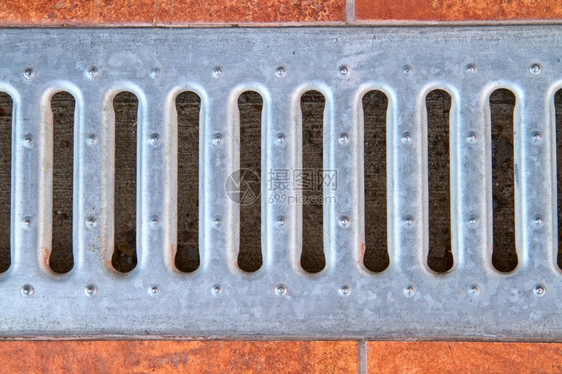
[[63, 107], [309, 181], [375, 104], [502, 106], [250, 106], [125, 106], [188, 106], [438, 108], [6, 107], [558, 109]]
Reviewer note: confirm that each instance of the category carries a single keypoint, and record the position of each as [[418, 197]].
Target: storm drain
[[317, 197]]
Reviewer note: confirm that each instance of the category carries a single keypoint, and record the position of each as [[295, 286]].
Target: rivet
[[539, 290], [473, 220], [217, 72], [537, 136], [280, 72], [154, 139], [28, 73], [92, 71], [280, 290], [406, 138], [471, 68], [90, 290], [409, 291], [471, 137], [216, 289], [154, 73], [28, 140], [280, 221], [344, 70], [345, 290], [27, 290], [27, 220], [154, 290], [535, 68], [407, 69], [92, 140], [217, 138], [409, 220], [344, 221], [217, 222], [344, 138], [91, 222], [280, 139], [538, 220], [154, 220], [474, 290]]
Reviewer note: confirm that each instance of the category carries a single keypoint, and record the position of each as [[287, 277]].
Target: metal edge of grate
[[407, 301]]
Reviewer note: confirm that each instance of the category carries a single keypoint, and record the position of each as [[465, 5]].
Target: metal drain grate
[[345, 300]]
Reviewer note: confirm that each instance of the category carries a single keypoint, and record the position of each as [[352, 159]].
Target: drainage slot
[[309, 181], [438, 106], [124, 257], [375, 104], [6, 105], [504, 255], [250, 105], [558, 111], [188, 106], [63, 109]]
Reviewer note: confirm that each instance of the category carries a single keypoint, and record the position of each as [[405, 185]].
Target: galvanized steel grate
[[408, 300]]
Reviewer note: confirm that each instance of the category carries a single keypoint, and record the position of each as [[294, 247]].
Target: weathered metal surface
[[408, 300]]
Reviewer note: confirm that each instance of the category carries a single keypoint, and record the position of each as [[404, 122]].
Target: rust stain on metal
[[46, 256]]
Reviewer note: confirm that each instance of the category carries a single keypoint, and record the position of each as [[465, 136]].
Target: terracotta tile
[[245, 11], [455, 10], [182, 356], [167, 12], [443, 357]]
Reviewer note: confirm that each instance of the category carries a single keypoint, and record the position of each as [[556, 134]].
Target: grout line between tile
[[350, 11], [362, 357]]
